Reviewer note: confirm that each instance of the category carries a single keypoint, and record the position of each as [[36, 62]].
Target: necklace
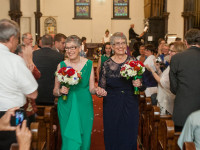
[[76, 64]]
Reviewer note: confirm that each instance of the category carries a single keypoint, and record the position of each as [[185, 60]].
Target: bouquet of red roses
[[133, 69], [67, 76]]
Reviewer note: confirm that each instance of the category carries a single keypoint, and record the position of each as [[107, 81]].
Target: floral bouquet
[[133, 69], [67, 77]]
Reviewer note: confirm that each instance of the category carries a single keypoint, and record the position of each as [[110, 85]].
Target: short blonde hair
[[179, 46]]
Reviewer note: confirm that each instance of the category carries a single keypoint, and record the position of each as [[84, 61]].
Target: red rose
[[132, 63], [62, 71], [79, 75], [141, 63], [70, 72], [122, 69]]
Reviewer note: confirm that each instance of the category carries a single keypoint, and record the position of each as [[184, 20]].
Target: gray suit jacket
[[185, 84]]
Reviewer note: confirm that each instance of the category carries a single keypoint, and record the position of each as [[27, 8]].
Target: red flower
[[78, 74], [137, 68], [62, 71], [70, 72], [122, 69], [133, 63], [141, 63]]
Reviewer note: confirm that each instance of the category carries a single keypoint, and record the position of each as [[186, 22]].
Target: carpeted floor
[[97, 141]]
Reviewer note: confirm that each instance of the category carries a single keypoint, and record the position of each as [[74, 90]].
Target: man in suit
[[59, 43], [46, 60], [184, 79]]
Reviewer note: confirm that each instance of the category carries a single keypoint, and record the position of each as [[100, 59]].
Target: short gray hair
[[25, 35], [75, 39], [117, 35], [8, 28], [47, 40]]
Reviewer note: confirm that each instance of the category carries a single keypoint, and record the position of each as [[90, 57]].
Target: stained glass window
[[120, 9], [82, 9]]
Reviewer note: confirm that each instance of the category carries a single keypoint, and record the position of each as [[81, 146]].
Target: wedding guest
[[27, 39], [191, 130], [120, 105], [150, 82], [106, 37], [16, 80], [142, 56], [59, 43], [76, 113], [84, 49], [164, 96], [132, 36], [23, 134], [184, 79], [106, 55], [27, 54], [46, 60]]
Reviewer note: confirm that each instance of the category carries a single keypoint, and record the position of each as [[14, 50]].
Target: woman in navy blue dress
[[120, 105]]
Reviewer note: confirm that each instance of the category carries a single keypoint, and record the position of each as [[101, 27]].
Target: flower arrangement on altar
[[97, 53], [67, 76], [133, 69]]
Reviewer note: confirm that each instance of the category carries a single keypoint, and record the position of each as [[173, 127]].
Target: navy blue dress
[[120, 108]]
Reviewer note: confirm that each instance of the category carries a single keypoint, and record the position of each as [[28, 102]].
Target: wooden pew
[[189, 146], [146, 122], [45, 117], [167, 137], [141, 121]]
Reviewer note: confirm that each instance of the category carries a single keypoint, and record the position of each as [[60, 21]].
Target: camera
[[158, 60], [19, 116]]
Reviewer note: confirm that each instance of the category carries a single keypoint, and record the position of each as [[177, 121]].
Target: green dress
[[103, 59], [76, 113]]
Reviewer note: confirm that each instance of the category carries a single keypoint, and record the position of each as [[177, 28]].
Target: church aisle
[[97, 141]]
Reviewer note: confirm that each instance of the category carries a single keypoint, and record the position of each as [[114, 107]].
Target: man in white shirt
[[16, 80]]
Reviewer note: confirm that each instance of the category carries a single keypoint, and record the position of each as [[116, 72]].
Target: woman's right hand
[[100, 92], [64, 90]]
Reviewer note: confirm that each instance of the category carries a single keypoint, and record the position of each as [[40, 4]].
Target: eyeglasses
[[30, 39], [70, 48], [118, 44]]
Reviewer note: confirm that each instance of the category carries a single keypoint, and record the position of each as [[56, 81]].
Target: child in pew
[[191, 130]]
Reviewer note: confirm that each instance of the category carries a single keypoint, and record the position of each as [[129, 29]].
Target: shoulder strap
[[62, 64]]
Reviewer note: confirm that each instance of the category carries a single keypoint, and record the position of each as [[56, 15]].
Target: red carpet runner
[[97, 141]]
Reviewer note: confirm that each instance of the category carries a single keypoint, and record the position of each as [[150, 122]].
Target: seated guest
[[191, 130], [141, 57], [16, 80], [148, 79], [164, 96], [106, 55], [46, 60]]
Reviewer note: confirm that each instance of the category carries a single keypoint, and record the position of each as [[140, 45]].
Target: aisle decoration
[[133, 69], [67, 76]]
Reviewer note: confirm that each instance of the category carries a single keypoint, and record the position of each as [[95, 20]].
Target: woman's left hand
[[137, 83]]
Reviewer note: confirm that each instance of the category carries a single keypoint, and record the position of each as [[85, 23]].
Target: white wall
[[4, 7], [101, 14], [176, 21]]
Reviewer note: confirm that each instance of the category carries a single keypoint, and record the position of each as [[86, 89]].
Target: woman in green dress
[[76, 113], [106, 55]]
